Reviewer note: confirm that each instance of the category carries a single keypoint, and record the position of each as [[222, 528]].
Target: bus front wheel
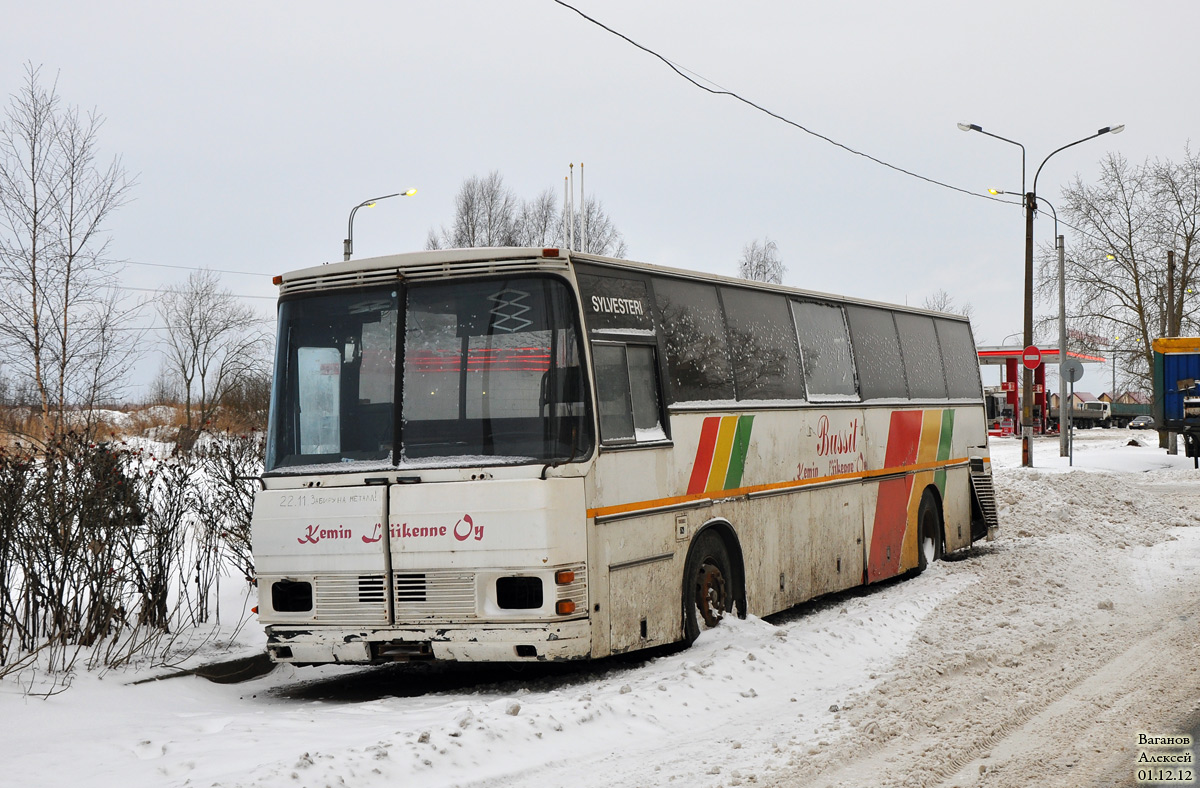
[[929, 533], [708, 585]]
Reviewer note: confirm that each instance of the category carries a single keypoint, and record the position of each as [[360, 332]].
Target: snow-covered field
[[1037, 659]]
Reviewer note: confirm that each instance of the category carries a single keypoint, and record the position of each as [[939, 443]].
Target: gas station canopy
[[1000, 355]]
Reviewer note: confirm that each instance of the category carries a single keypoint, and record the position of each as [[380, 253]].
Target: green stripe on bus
[[947, 433], [944, 445], [737, 457]]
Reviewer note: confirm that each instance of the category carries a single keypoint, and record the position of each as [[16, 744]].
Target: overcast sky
[[254, 127]]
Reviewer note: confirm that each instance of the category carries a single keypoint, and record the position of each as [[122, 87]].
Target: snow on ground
[[913, 680]]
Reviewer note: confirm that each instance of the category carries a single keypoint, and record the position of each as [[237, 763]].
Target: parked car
[[1142, 423]]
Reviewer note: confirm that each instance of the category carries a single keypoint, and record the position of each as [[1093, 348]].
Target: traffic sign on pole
[[1031, 357], [1071, 370]]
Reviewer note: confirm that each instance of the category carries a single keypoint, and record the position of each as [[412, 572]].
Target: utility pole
[[1027, 378], [1172, 330], [1064, 412]]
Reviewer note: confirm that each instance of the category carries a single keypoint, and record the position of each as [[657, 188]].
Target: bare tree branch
[[211, 339], [487, 213], [760, 262], [1116, 269], [57, 303]]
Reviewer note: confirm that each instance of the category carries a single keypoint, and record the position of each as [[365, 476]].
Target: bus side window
[[959, 358], [922, 356], [762, 341], [627, 386], [693, 341], [881, 371], [825, 351]]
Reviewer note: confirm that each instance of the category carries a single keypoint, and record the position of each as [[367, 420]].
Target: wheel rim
[[711, 594]]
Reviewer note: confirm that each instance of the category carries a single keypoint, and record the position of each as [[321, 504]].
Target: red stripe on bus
[[704, 455], [891, 506]]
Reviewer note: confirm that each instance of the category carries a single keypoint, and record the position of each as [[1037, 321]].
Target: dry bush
[[107, 550]]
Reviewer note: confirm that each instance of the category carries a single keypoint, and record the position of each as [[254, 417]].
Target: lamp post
[[1064, 412], [348, 244], [1030, 201]]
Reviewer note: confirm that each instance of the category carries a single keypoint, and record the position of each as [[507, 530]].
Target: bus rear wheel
[[708, 585], [929, 532]]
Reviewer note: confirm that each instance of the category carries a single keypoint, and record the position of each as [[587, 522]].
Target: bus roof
[[438, 263]]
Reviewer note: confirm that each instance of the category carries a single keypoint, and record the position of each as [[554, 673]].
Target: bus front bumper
[[317, 645]]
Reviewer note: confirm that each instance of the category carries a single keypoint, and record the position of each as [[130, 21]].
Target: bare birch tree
[[58, 309], [760, 262], [487, 213], [942, 301], [211, 341], [595, 232], [539, 222], [1121, 283]]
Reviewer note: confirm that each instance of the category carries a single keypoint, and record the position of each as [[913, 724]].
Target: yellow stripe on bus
[[625, 508], [931, 433], [720, 464]]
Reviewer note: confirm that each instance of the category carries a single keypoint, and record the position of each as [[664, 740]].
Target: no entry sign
[[1031, 357]]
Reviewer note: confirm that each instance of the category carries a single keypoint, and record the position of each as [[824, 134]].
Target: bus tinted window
[[492, 369], [627, 384], [643, 384], [693, 331], [877, 351], [959, 358], [766, 359], [825, 349], [335, 379], [923, 358], [612, 386]]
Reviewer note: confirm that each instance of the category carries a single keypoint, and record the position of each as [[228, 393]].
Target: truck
[[1125, 412], [1176, 406], [995, 400], [1095, 413]]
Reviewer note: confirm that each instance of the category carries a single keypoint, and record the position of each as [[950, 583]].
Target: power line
[[1063, 222], [723, 92], [191, 268], [159, 290], [169, 328]]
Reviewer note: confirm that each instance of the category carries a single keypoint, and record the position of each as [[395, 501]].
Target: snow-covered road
[[1037, 659]]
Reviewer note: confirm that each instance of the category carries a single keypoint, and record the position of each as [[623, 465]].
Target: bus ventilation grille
[[985, 494], [352, 279], [370, 589], [434, 594], [418, 271], [351, 598]]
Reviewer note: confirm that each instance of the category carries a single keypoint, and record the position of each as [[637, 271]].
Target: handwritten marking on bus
[[324, 499]]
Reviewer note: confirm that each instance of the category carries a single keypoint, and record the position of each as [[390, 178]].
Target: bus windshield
[[492, 375]]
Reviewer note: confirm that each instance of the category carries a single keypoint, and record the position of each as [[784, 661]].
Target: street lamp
[[1030, 201], [348, 244]]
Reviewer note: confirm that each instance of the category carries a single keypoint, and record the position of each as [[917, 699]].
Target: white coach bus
[[530, 454]]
